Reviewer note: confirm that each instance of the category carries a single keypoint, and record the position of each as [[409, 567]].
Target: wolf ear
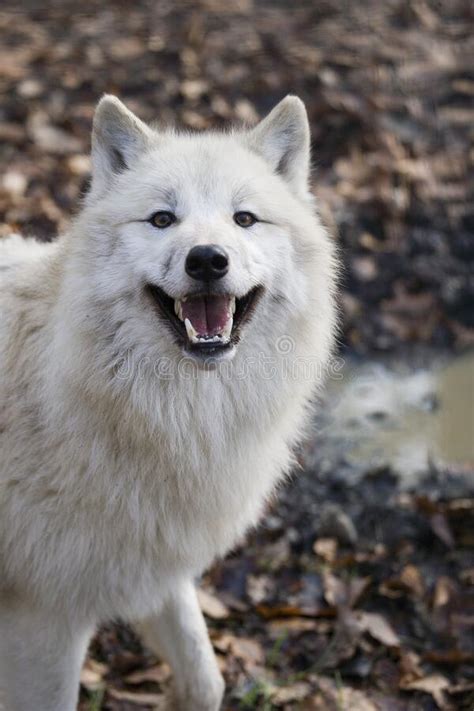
[[282, 138], [118, 139]]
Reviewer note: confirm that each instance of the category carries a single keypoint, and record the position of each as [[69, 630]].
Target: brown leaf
[[464, 687], [335, 523], [443, 592], [270, 612], [434, 684], [459, 506], [326, 548], [467, 576], [79, 164], [295, 625], [92, 674], [357, 588], [378, 628], [156, 701], [211, 605], [439, 524], [287, 694], [258, 587], [356, 700], [410, 666], [14, 183], [157, 674], [335, 590], [333, 697], [245, 111], [343, 593], [52, 139], [193, 89], [408, 581], [365, 268], [450, 657], [411, 579], [232, 602], [249, 651]]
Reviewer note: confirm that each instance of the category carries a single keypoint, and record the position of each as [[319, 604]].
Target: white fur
[[125, 468]]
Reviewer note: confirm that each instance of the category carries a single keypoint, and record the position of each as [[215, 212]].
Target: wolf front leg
[[40, 661], [179, 634]]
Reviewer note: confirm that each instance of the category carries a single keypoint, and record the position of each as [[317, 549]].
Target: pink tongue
[[208, 314]]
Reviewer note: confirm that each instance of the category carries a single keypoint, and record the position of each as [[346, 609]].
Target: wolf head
[[197, 244]]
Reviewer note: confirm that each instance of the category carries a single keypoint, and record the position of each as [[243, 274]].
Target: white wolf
[[151, 392]]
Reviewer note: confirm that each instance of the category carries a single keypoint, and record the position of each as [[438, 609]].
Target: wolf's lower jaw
[[206, 325]]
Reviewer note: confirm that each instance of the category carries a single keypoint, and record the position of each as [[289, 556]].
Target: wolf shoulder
[[29, 280]]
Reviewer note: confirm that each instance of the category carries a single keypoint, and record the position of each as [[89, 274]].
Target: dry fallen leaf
[[92, 674], [249, 651], [287, 694], [434, 684], [467, 576], [354, 700], [158, 702], [411, 579], [212, 606], [270, 612], [334, 697], [258, 587], [410, 666], [443, 592], [52, 139], [326, 548], [157, 674], [295, 626], [450, 657], [344, 593], [335, 590], [440, 526], [378, 628]]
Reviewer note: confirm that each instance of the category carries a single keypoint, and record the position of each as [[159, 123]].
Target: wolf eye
[[162, 219], [245, 219]]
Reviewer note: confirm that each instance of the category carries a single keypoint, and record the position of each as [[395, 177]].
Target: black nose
[[207, 262]]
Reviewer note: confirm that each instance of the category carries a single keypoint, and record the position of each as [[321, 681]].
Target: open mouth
[[206, 324]]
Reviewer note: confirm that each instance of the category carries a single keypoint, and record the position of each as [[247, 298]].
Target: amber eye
[[245, 219], [162, 219]]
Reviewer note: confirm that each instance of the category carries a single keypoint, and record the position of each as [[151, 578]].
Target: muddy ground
[[357, 591]]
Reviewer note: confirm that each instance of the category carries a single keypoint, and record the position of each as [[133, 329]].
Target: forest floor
[[356, 592]]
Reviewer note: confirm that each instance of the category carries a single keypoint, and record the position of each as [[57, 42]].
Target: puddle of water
[[404, 418], [455, 420]]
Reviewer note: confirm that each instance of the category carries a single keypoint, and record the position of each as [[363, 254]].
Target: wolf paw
[[204, 696]]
